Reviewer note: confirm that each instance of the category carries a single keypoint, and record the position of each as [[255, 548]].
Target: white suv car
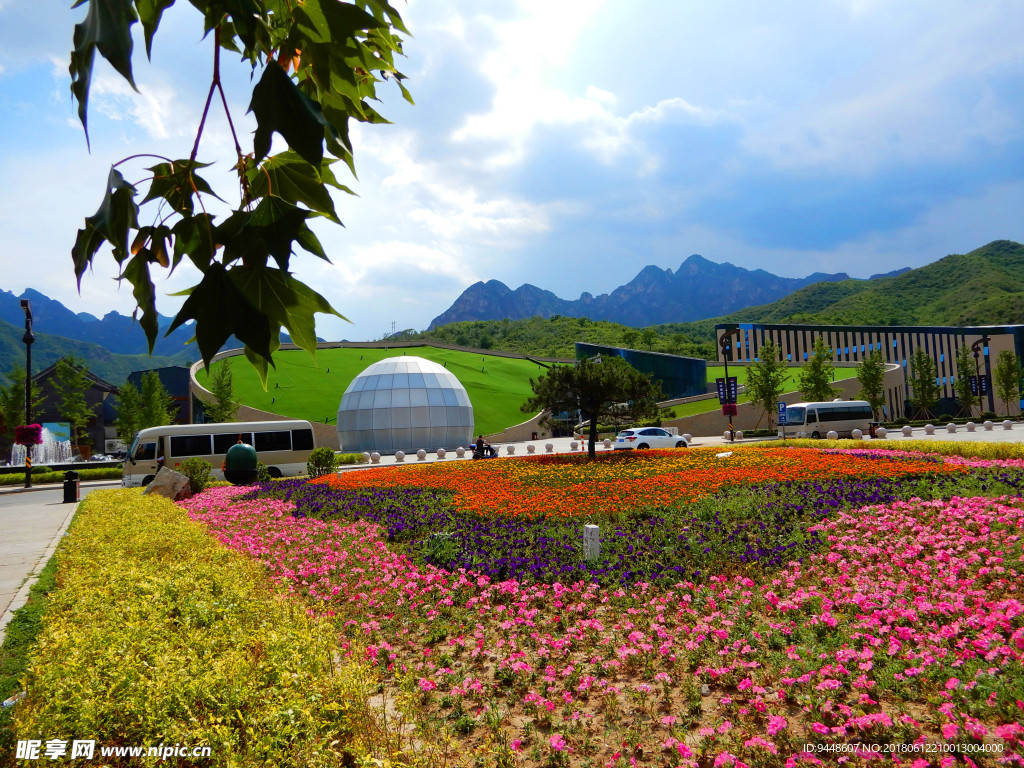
[[648, 437]]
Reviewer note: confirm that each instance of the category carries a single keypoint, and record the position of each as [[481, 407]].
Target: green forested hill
[[983, 287], [47, 349]]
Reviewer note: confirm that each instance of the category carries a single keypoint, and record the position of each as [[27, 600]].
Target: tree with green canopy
[[316, 66], [223, 408], [70, 384], [1007, 379], [766, 379], [871, 376], [966, 367], [924, 390], [598, 389], [818, 373]]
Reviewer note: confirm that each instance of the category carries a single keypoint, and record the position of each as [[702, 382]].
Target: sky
[[565, 143]]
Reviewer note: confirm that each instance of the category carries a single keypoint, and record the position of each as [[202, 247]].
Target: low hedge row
[[18, 478], [158, 635]]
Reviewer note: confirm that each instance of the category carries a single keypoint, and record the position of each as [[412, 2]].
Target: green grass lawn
[[303, 389]]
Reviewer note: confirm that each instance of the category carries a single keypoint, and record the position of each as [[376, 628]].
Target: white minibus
[[283, 446], [817, 419]]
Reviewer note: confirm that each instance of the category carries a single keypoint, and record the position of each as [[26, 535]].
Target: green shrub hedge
[[18, 478], [158, 635]]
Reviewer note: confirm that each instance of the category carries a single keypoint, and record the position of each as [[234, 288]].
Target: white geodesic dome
[[404, 404]]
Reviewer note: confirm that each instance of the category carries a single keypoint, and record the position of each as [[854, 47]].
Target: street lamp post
[[28, 338], [726, 345], [976, 348]]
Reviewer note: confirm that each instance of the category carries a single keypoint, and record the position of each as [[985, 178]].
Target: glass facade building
[[679, 376], [404, 404]]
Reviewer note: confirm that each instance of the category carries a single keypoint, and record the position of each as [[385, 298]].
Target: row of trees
[[766, 379], [138, 408]]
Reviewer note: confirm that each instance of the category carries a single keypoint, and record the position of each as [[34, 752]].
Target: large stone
[[170, 484]]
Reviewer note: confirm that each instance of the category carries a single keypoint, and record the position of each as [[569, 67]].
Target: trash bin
[[71, 487]]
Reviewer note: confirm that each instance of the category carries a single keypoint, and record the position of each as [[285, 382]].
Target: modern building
[[679, 376], [96, 396], [404, 404], [852, 343]]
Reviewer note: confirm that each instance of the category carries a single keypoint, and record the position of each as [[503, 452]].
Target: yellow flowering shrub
[[158, 635]]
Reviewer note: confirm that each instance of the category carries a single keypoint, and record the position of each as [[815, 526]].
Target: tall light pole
[[28, 338], [976, 348]]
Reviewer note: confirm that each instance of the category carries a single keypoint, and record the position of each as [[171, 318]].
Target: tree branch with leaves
[[318, 64]]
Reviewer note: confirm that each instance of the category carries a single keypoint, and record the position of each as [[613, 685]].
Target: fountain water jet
[[50, 451]]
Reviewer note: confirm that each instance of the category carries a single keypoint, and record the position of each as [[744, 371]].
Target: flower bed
[[907, 627], [570, 486]]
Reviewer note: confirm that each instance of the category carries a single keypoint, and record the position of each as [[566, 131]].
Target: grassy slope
[[302, 389]]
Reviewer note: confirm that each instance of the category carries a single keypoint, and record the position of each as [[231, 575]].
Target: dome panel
[[405, 403]]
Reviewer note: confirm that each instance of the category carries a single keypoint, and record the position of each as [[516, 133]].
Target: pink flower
[[776, 724], [952, 683], [427, 685], [668, 720], [557, 742], [820, 728], [949, 730]]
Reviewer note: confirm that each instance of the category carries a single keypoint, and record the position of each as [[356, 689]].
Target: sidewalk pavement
[[29, 533]]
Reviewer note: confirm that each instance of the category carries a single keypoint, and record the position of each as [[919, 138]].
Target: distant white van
[[283, 446], [842, 416]]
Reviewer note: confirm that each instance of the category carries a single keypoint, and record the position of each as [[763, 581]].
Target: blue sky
[[569, 143]]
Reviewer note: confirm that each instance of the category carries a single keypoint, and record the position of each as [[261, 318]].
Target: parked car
[[648, 437]]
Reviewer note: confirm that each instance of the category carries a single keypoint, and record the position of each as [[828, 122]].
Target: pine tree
[[129, 412], [157, 406], [223, 409]]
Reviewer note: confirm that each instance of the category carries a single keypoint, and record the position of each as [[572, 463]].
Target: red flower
[[28, 434]]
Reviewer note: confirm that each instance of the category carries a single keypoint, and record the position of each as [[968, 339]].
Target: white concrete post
[[591, 542]]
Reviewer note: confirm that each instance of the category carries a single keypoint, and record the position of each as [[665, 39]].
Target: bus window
[[222, 442], [190, 445], [302, 439], [145, 452], [812, 417], [794, 416], [273, 441]]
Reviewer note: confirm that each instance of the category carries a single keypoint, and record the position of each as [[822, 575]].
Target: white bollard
[[739, 434], [366, 457], [908, 431], [460, 452], [929, 429], [591, 542], [951, 428], [1007, 424], [441, 453], [574, 446], [988, 426], [510, 449], [857, 434], [531, 448], [375, 458], [688, 438], [881, 432], [549, 447], [399, 456], [971, 426], [421, 455]]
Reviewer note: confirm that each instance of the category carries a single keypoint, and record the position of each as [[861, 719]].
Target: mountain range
[[699, 289]]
